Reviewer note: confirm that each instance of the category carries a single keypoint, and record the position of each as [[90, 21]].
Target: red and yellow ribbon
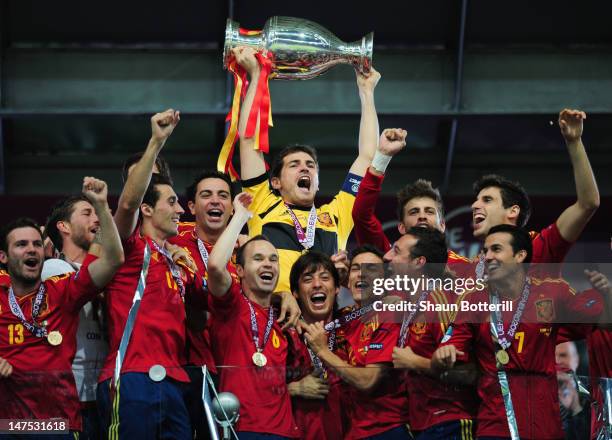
[[261, 111]]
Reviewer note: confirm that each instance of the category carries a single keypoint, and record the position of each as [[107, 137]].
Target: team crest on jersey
[[418, 328], [325, 219], [545, 310], [367, 330]]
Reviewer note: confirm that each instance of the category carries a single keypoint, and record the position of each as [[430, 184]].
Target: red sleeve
[[78, 288], [228, 304], [368, 228], [384, 339], [549, 246], [586, 306]]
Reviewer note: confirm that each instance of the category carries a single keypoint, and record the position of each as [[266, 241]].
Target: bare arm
[[111, 255], [309, 387], [572, 221], [252, 163], [126, 217], [368, 126], [219, 278], [6, 369], [406, 358]]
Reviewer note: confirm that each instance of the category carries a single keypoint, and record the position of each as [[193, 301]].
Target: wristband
[[381, 161]]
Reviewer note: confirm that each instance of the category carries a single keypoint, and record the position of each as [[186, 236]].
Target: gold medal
[[502, 357], [259, 359], [54, 338]]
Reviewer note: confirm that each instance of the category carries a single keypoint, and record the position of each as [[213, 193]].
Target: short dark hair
[[61, 212], [162, 166], [190, 192], [366, 248], [521, 241], [21, 222], [152, 195], [430, 244], [278, 161], [512, 193], [310, 262], [418, 188], [241, 249]]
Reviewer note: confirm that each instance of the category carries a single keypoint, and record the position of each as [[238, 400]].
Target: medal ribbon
[[255, 327], [174, 270], [306, 239], [348, 317], [38, 331], [204, 256], [502, 377], [500, 332], [203, 253], [407, 320], [129, 325], [331, 344]]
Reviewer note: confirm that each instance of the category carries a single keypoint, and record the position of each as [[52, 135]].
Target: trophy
[[299, 48]]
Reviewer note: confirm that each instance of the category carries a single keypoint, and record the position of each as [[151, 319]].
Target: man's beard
[[81, 239], [18, 275]]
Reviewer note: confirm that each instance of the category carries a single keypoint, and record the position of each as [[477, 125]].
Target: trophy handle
[[367, 46], [234, 37]]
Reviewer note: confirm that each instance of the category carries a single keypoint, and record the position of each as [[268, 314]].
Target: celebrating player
[[376, 400], [72, 226], [436, 409], [286, 214], [317, 397], [244, 331], [39, 319], [515, 347], [147, 344]]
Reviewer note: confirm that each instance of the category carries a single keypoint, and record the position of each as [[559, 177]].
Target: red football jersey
[[430, 401], [265, 405], [42, 385], [158, 337], [198, 339], [385, 407], [317, 419], [531, 370]]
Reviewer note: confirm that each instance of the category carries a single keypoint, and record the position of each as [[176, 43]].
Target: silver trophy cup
[[300, 49]]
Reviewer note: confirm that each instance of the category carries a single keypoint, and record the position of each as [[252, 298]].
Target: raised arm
[[126, 217], [368, 228], [219, 278], [573, 220], [111, 255], [368, 126], [252, 162]]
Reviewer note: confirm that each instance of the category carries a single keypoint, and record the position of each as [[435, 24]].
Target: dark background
[[79, 81]]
